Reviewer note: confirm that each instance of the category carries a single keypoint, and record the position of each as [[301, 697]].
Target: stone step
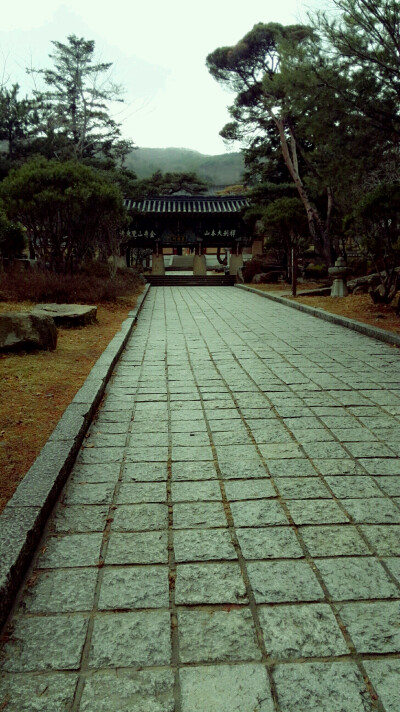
[[191, 280]]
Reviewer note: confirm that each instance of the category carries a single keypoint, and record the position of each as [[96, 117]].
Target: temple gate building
[[183, 224]]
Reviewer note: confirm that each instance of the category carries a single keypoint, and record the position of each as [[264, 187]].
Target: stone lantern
[[339, 274]]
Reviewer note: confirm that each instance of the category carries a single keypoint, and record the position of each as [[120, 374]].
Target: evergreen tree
[[74, 112]]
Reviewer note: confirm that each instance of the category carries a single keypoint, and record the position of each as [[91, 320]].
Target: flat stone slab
[[68, 314]]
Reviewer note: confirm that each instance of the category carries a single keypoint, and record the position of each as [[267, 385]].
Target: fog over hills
[[223, 169]]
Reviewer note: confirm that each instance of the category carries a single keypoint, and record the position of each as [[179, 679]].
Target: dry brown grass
[[37, 387], [359, 307]]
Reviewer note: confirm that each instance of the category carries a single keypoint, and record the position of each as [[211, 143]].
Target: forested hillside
[[224, 169]]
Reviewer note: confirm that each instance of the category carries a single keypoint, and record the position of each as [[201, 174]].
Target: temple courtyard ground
[[229, 539]]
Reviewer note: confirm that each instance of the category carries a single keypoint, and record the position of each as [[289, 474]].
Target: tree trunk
[[319, 234], [294, 260]]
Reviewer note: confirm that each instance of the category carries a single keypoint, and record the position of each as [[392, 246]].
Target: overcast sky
[[158, 49]]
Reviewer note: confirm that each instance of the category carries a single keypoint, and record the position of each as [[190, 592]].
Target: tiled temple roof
[[186, 204]]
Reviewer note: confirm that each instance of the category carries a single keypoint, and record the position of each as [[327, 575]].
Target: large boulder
[[266, 278], [68, 314], [362, 285], [24, 331]]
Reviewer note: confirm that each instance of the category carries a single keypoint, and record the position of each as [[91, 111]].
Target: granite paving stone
[[231, 468], [100, 493], [100, 455], [332, 466], [373, 510], [118, 417], [106, 440], [91, 474], [334, 540], [312, 435], [193, 471], [45, 643], [146, 454], [38, 693], [369, 449], [139, 492], [229, 537], [393, 564], [260, 512], [189, 453], [226, 688], [189, 426], [131, 639], [60, 591], [353, 487], [315, 511], [374, 626], [235, 437], [303, 631], [281, 451], [381, 466], [71, 550], [209, 583], [269, 543], [292, 468], [145, 472], [137, 548], [323, 687], [159, 439], [351, 578], [212, 635], [302, 488], [385, 676], [129, 691], [140, 517], [283, 581], [79, 519], [196, 491], [253, 489], [203, 545], [202, 515], [134, 587], [383, 538], [190, 439]]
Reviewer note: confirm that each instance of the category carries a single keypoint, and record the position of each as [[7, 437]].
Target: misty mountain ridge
[[221, 169]]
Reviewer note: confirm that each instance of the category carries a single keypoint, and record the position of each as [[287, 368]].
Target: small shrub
[[260, 264], [316, 271], [86, 287], [358, 266]]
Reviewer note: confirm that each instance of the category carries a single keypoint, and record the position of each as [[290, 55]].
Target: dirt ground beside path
[[36, 388], [359, 307]]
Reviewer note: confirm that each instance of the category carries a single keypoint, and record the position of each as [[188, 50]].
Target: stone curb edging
[[372, 331], [24, 516]]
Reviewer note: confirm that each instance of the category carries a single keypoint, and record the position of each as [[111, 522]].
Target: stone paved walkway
[[229, 539]]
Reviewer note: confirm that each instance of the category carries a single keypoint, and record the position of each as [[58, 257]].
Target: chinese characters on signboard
[[220, 233], [151, 235], [145, 233]]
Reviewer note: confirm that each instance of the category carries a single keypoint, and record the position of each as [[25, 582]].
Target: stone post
[[157, 260], [199, 260], [236, 259], [339, 273]]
